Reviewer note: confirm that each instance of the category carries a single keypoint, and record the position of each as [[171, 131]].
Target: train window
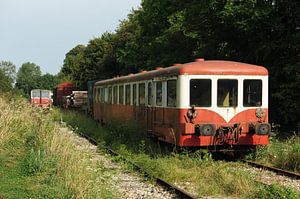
[[171, 93], [127, 92], [227, 95], [134, 94], [106, 95], [95, 95], [121, 94], [200, 92], [142, 94], [158, 93], [149, 102], [115, 93], [45, 94], [109, 95], [252, 92], [102, 98], [99, 95], [35, 94]]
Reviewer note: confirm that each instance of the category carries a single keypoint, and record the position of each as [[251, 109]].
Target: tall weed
[[39, 161], [284, 154]]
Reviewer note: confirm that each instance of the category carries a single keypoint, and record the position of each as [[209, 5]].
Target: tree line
[[164, 32], [28, 77], [160, 33]]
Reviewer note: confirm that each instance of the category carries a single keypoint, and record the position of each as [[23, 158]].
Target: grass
[[38, 161], [284, 154], [195, 172]]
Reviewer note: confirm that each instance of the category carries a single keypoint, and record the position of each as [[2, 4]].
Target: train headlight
[[192, 114], [262, 129], [207, 130], [260, 113]]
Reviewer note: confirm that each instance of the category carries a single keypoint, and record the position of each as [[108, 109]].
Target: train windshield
[[45, 94], [252, 93], [227, 93], [200, 92], [35, 94]]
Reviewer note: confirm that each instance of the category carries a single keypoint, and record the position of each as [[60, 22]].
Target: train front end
[[223, 105], [41, 98]]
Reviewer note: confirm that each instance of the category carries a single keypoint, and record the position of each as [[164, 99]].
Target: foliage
[[275, 191], [161, 33], [281, 154], [38, 160], [7, 76], [48, 81], [28, 76]]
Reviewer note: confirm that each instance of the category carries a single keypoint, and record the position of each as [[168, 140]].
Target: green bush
[[284, 154], [276, 191]]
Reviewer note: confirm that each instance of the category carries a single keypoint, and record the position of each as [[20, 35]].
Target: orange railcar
[[213, 104]]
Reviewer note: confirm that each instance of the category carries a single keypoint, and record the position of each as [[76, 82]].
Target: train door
[[149, 107]]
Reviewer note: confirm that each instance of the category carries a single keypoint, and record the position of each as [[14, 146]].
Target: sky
[[43, 31]]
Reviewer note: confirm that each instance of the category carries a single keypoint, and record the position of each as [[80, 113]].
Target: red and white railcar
[[41, 98], [214, 104]]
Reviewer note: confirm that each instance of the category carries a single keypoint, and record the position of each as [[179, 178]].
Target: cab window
[[252, 93], [200, 92], [227, 94]]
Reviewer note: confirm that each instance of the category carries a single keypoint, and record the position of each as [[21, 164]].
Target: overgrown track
[[276, 170], [166, 185]]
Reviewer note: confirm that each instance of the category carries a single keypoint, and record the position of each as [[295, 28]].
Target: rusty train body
[[61, 91], [218, 105]]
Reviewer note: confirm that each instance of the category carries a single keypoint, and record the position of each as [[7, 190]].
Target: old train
[[61, 91], [41, 98], [218, 105]]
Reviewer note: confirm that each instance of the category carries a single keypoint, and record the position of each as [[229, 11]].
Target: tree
[[7, 75], [161, 33], [48, 81], [28, 77]]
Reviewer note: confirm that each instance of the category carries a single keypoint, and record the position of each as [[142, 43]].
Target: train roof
[[65, 84], [199, 67], [40, 90]]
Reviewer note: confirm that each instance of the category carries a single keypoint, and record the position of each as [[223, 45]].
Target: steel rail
[[274, 169], [163, 183]]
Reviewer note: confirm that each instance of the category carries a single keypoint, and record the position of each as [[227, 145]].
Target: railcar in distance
[[219, 105], [61, 91], [41, 98]]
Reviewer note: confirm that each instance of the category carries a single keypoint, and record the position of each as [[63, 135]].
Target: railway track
[[161, 182], [177, 190], [276, 170]]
